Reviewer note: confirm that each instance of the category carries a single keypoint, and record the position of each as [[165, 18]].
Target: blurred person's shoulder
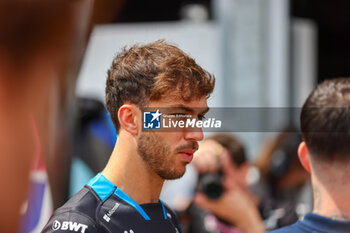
[[316, 223], [294, 228]]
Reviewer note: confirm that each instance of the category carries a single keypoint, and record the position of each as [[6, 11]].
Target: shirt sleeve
[[67, 222]]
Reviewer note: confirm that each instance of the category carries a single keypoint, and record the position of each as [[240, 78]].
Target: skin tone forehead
[[197, 105]]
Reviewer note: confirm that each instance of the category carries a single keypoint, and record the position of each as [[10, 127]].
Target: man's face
[[168, 153]]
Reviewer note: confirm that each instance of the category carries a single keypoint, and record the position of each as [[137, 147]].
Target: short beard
[[158, 156]]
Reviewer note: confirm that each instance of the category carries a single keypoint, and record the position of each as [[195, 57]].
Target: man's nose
[[194, 135]]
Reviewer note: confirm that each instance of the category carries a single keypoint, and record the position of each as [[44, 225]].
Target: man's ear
[[128, 116], [303, 154]]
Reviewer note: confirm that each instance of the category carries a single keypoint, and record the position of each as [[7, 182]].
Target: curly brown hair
[[144, 73]]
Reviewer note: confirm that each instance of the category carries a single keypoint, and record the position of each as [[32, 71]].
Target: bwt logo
[[151, 120], [68, 225]]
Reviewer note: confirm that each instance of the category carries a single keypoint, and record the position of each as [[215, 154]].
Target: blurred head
[[51, 30], [158, 75], [235, 164], [233, 146], [223, 153]]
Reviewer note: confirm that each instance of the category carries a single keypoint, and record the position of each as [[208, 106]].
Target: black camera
[[211, 185]]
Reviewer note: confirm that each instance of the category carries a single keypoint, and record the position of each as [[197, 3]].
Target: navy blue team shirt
[[313, 223], [102, 207]]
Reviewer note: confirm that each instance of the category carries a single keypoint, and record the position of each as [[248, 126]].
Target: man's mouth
[[187, 154]]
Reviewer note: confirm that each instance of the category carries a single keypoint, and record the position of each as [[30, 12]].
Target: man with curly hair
[[124, 197]]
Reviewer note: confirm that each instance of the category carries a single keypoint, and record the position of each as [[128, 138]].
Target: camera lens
[[210, 185]]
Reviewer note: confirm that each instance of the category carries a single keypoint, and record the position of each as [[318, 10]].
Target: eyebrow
[[190, 110]]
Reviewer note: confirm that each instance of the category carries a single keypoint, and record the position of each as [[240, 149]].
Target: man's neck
[[332, 203], [127, 171]]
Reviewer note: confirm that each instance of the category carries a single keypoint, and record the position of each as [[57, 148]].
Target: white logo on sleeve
[[56, 225], [68, 225], [108, 215]]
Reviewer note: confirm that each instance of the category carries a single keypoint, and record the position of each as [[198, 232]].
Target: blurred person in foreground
[[224, 194], [41, 46], [124, 197], [325, 154]]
